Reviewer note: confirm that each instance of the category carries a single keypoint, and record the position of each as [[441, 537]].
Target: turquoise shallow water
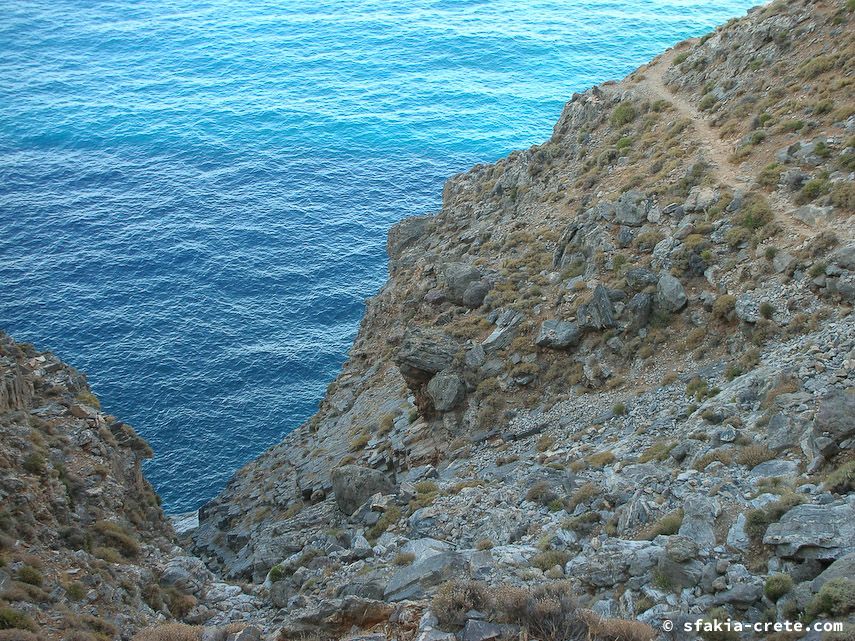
[[194, 195]]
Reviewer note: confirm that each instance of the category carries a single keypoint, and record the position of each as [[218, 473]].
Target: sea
[[195, 194]]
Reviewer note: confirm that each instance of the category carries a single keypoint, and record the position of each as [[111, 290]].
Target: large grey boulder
[[412, 581], [446, 389], [632, 208], [701, 199], [637, 312], [834, 416], [507, 325], [639, 278], [464, 284], [842, 568], [614, 562], [425, 352], [699, 514], [774, 469], [405, 234], [558, 334], [599, 313], [824, 532], [355, 484], [844, 257], [670, 295], [813, 215], [783, 432]]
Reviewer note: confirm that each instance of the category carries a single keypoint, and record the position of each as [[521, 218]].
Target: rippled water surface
[[194, 195]]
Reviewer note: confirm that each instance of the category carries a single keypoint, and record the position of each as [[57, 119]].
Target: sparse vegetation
[[667, 525], [777, 585]]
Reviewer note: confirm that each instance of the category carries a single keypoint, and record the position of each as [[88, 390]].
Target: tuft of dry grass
[[753, 455], [617, 629], [170, 632]]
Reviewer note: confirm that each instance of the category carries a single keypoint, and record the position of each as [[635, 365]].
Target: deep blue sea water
[[194, 195]]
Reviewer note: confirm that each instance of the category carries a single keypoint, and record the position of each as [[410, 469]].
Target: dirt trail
[[714, 150]]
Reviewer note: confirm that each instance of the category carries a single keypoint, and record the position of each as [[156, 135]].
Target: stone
[[249, 633], [425, 548], [637, 312], [844, 257], [783, 432], [476, 630], [740, 594], [782, 262], [412, 581], [701, 199], [680, 575], [506, 329], [446, 390], [187, 573], [814, 215], [475, 294], [632, 208], [680, 549], [747, 309], [640, 278], [834, 416], [825, 532], [842, 568], [558, 334], [670, 295], [458, 277], [355, 484], [699, 514], [737, 537], [774, 469], [599, 313], [425, 352]]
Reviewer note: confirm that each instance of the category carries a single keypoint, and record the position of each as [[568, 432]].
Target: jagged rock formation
[[85, 550]]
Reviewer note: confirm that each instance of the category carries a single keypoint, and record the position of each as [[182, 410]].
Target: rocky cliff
[[609, 384], [85, 551], [621, 359]]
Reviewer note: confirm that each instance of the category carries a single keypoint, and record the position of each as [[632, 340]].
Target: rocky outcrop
[[353, 485]]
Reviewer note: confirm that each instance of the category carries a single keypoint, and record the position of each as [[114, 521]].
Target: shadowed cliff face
[[606, 346], [85, 550]]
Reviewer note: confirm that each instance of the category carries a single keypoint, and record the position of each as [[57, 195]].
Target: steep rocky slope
[[85, 551], [623, 359], [610, 384]]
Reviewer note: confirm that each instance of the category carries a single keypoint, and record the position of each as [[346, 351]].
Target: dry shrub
[[170, 632], [617, 629], [18, 635], [548, 612], [754, 454], [455, 598]]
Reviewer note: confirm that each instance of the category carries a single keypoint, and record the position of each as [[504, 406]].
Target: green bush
[[777, 585], [836, 599], [724, 306], [623, 114], [34, 463], [841, 480], [11, 619], [755, 212], [549, 559], [812, 190], [29, 574], [707, 102]]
